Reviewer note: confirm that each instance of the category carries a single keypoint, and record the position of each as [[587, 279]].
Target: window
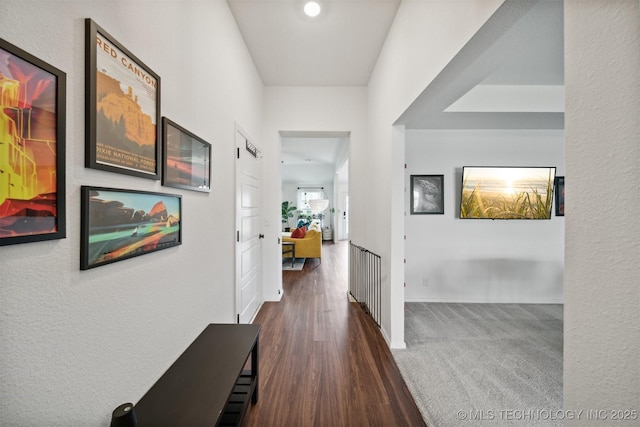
[[306, 194]]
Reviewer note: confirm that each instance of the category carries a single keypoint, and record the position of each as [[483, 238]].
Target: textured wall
[[602, 265], [75, 344]]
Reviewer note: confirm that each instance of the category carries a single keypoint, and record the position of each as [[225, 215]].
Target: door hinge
[[238, 319], [238, 236], [238, 152]]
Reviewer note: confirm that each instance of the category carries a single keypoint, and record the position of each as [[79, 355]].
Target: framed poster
[[122, 108], [186, 160], [427, 194], [32, 148], [119, 224], [559, 195]]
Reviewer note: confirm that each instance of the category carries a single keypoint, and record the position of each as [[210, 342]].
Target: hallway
[[323, 362]]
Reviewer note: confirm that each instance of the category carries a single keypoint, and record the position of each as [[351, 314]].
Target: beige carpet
[[484, 364]]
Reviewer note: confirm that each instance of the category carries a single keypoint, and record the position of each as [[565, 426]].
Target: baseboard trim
[[485, 301]]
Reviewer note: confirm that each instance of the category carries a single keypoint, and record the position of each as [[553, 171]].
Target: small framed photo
[[187, 158], [559, 196], [119, 224], [122, 111], [427, 194], [32, 148]]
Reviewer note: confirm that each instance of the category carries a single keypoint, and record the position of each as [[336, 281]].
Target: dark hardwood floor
[[323, 362]]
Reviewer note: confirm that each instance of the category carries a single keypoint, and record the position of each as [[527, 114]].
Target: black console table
[[209, 383]]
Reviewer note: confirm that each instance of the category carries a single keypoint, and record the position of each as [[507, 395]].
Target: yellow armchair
[[310, 246]]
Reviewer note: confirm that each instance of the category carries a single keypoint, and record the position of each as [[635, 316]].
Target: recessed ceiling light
[[312, 9]]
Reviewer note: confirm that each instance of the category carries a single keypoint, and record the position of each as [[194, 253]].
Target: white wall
[[424, 37], [481, 260], [602, 268], [316, 109], [76, 344]]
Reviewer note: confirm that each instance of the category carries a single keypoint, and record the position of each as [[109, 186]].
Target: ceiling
[[290, 49], [338, 48], [510, 75], [313, 158]]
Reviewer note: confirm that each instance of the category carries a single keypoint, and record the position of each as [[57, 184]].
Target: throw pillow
[[298, 233]]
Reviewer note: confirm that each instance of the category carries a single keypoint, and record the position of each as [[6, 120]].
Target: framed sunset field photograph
[[507, 192], [32, 148], [187, 158], [122, 108], [118, 224]]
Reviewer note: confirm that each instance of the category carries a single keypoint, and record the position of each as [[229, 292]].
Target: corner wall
[[424, 37], [76, 344], [481, 261], [602, 268]]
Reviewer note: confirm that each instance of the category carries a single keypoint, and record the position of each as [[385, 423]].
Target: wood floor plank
[[323, 361]]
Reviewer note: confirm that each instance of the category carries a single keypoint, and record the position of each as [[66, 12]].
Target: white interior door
[[248, 228]]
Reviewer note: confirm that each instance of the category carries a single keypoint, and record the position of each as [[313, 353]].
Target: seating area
[[308, 243]]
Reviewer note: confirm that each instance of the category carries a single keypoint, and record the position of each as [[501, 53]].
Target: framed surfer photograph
[[32, 148], [427, 194], [122, 108], [186, 160], [119, 224]]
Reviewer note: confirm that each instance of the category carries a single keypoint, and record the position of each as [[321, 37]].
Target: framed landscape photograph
[[32, 148], [122, 108], [560, 196], [119, 224], [504, 192], [187, 158], [427, 194]]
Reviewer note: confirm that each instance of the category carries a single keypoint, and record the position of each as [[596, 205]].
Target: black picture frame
[[122, 108], [118, 224], [559, 196], [427, 194], [32, 149], [186, 160]]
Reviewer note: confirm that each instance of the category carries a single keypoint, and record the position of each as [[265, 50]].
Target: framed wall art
[[427, 194], [503, 192], [32, 148], [186, 160], [559, 195], [119, 224], [122, 108]]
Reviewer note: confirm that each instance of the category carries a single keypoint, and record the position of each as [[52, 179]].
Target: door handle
[[260, 236]]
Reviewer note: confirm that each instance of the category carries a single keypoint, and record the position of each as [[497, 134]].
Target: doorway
[[316, 160]]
